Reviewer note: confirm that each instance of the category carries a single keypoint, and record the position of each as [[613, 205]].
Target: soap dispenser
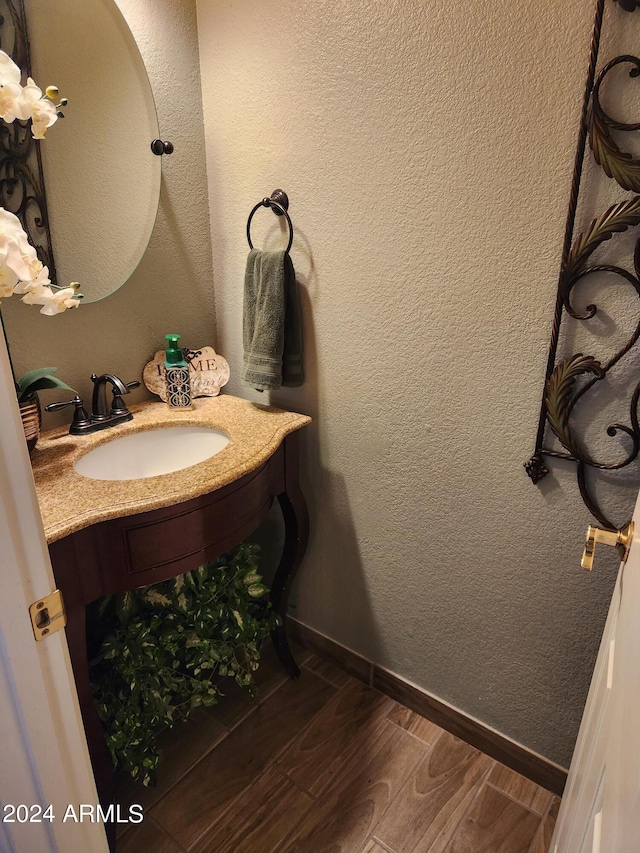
[[177, 378]]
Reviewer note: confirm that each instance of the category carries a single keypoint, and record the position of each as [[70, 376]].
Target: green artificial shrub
[[163, 650]]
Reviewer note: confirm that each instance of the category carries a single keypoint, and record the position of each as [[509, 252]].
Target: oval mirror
[[102, 180]]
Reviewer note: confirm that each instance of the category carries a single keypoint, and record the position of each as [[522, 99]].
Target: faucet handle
[[80, 417], [55, 407], [118, 407]]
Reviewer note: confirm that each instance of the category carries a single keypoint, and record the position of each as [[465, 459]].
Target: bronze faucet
[[100, 417]]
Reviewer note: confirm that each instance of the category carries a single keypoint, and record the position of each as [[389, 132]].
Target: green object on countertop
[[174, 357]]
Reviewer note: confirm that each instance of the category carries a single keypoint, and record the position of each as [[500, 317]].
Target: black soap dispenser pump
[[176, 369]]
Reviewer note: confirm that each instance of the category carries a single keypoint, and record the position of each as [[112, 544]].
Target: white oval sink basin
[[151, 453]]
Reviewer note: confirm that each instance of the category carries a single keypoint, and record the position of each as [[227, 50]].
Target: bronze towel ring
[[279, 203]]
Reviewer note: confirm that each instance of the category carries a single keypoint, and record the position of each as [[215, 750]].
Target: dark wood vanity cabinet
[[149, 547]]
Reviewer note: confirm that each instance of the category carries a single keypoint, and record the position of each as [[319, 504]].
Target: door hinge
[[48, 615]]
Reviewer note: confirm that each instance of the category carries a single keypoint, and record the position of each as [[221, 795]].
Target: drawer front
[[153, 546], [159, 543]]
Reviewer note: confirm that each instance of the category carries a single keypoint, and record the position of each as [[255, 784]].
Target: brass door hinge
[[48, 615]]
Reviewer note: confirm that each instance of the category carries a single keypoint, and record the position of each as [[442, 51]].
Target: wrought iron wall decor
[[561, 393], [22, 188]]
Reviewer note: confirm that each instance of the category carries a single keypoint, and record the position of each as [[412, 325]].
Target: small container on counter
[[177, 375]]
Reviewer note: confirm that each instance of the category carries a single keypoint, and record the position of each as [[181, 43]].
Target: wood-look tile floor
[[325, 764]]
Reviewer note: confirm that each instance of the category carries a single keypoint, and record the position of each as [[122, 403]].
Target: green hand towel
[[272, 325]]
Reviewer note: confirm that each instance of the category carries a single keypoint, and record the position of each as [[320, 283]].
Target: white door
[[600, 811], [44, 759]]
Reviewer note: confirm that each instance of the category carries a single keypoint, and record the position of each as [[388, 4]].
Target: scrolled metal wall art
[[561, 393], [22, 189]]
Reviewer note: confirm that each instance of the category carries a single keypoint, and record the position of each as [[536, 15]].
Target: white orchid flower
[[15, 250], [9, 222], [9, 71], [31, 94], [12, 259], [39, 292], [10, 101], [60, 301], [28, 103], [39, 295], [35, 106], [8, 282], [43, 119], [21, 257], [36, 290], [21, 271], [41, 280]]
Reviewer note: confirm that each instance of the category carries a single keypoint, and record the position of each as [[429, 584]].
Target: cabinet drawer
[[149, 547]]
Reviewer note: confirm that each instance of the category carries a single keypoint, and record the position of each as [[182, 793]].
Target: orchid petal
[[9, 71], [60, 301], [39, 296]]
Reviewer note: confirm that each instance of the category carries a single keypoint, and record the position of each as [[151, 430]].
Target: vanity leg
[[296, 527], [100, 759], [70, 563]]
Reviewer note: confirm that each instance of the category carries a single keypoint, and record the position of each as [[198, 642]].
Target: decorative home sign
[[208, 372], [565, 378]]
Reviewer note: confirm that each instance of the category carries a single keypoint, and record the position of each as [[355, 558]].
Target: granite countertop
[[69, 502]]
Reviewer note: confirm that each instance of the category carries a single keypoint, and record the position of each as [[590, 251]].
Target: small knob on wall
[[159, 147]]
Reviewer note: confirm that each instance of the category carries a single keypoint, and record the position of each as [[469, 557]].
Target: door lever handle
[[620, 539]]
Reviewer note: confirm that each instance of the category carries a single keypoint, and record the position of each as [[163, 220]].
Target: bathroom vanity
[[107, 536]]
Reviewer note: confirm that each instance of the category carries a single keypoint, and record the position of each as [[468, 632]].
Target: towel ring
[[278, 202]]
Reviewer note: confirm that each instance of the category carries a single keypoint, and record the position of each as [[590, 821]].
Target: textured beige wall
[[172, 288], [427, 150]]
